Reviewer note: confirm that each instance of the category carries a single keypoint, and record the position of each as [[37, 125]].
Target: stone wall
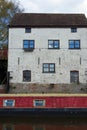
[[48, 88], [65, 59]]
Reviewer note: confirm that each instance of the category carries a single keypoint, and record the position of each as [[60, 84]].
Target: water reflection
[[24, 123]]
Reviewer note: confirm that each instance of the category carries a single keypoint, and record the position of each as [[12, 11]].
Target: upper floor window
[[53, 44], [27, 75], [27, 30], [74, 44], [73, 30], [28, 45], [48, 68]]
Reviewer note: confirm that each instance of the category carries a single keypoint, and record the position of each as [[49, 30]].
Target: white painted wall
[[70, 59]]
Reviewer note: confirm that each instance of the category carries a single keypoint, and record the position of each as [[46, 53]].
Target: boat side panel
[[50, 102]]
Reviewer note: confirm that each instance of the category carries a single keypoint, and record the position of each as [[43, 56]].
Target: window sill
[[28, 50], [53, 48], [74, 48], [26, 80], [48, 72]]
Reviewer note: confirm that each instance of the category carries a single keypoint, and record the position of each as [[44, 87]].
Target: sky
[[54, 6]]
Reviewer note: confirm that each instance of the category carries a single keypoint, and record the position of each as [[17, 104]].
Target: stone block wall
[[48, 88], [65, 60]]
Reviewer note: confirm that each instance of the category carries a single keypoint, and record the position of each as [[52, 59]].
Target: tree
[[7, 10]]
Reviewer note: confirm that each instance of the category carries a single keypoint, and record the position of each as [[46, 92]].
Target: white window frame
[[37, 101], [6, 103]]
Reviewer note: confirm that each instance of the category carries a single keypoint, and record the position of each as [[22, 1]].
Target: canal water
[[38, 123]]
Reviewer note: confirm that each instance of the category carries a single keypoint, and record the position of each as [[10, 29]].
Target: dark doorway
[[3, 71], [74, 76], [27, 75]]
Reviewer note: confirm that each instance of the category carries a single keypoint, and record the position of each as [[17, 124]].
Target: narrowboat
[[43, 104]]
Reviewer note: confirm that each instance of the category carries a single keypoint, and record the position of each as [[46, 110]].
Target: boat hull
[[43, 105], [56, 112]]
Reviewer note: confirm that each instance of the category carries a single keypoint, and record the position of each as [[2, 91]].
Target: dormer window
[[27, 30], [73, 30]]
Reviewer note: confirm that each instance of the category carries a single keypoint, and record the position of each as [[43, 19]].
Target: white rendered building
[[47, 49]]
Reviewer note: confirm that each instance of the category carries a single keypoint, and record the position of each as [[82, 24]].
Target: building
[[48, 53]]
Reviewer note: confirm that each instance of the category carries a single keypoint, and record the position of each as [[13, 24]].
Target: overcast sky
[[54, 6]]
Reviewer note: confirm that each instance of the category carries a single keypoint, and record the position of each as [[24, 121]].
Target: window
[[86, 72], [74, 44], [28, 45], [39, 127], [8, 103], [8, 127], [73, 30], [39, 103], [53, 44], [48, 68], [74, 76], [27, 30], [27, 75]]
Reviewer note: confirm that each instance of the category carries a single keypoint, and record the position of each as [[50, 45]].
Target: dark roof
[[48, 20]]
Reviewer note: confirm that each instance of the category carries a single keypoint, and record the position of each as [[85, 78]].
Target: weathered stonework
[[65, 59], [2, 89], [48, 88], [19, 60]]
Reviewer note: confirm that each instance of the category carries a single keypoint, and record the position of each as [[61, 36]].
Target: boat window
[[39, 127], [8, 103], [39, 103], [8, 127]]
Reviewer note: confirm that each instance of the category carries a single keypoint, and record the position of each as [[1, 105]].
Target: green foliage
[[7, 10]]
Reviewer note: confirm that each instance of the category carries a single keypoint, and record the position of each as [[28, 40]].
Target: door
[[74, 76]]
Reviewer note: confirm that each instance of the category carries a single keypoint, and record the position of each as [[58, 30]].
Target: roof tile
[[48, 20]]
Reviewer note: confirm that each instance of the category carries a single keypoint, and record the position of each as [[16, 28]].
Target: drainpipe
[[8, 85]]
